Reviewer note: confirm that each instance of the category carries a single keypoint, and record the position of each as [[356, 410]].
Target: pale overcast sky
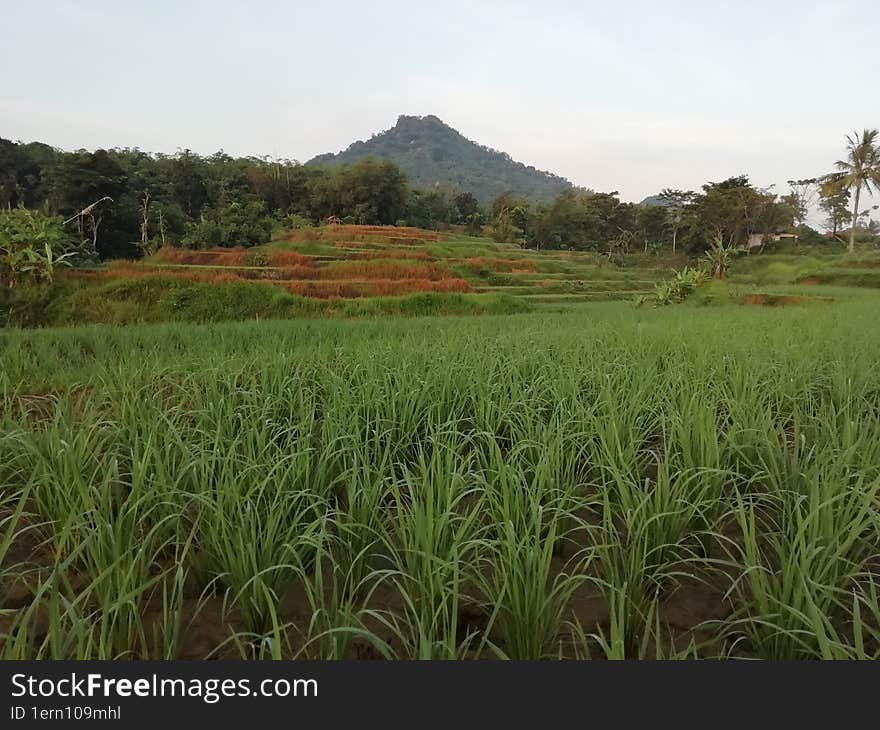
[[630, 96]]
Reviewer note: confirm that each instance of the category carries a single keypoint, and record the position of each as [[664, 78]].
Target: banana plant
[[32, 247], [719, 256]]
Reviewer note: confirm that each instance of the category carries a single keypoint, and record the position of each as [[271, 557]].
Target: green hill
[[433, 153]]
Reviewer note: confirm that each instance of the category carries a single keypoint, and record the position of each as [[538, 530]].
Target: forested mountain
[[657, 200], [432, 153]]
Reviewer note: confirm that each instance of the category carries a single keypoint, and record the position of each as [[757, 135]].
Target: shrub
[[237, 224], [29, 306], [256, 258], [293, 222]]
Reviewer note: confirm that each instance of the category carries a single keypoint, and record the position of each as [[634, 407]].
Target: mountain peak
[[410, 124], [432, 153], [427, 119]]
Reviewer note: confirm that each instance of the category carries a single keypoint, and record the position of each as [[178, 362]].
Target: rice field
[[603, 483]]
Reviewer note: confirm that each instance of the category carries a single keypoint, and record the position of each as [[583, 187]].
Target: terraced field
[[357, 261], [358, 271]]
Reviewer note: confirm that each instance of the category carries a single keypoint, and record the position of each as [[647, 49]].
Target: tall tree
[[466, 207], [652, 224], [81, 179], [676, 202], [429, 208], [510, 218], [834, 202], [802, 197], [860, 169]]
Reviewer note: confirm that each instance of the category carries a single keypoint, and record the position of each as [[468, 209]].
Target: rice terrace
[[417, 400]]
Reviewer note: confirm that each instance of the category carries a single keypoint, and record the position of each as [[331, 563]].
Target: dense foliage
[[733, 209], [148, 200], [188, 199]]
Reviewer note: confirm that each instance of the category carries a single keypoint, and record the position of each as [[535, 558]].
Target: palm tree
[[860, 170]]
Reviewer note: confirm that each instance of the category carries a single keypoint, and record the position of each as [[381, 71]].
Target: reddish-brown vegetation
[[383, 270], [208, 257], [400, 235], [352, 269], [383, 253], [231, 257], [374, 288], [343, 279], [391, 270], [345, 269], [289, 258]]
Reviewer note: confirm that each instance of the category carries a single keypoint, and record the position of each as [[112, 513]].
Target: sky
[[628, 96]]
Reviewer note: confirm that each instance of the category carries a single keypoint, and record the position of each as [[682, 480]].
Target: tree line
[[127, 203], [675, 220], [732, 213]]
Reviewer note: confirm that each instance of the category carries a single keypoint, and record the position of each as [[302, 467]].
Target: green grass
[[829, 267], [602, 482], [869, 278], [168, 299]]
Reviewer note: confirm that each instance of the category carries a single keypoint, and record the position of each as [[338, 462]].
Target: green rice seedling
[[98, 599], [642, 552], [120, 559], [337, 597], [695, 449], [750, 434], [74, 471], [361, 507], [165, 635], [254, 509], [517, 483], [801, 556], [526, 590], [252, 533], [859, 640], [526, 596], [416, 478], [273, 643], [865, 614], [50, 626], [622, 421], [430, 535], [95, 514], [618, 642], [13, 527], [428, 629], [556, 469], [174, 615]]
